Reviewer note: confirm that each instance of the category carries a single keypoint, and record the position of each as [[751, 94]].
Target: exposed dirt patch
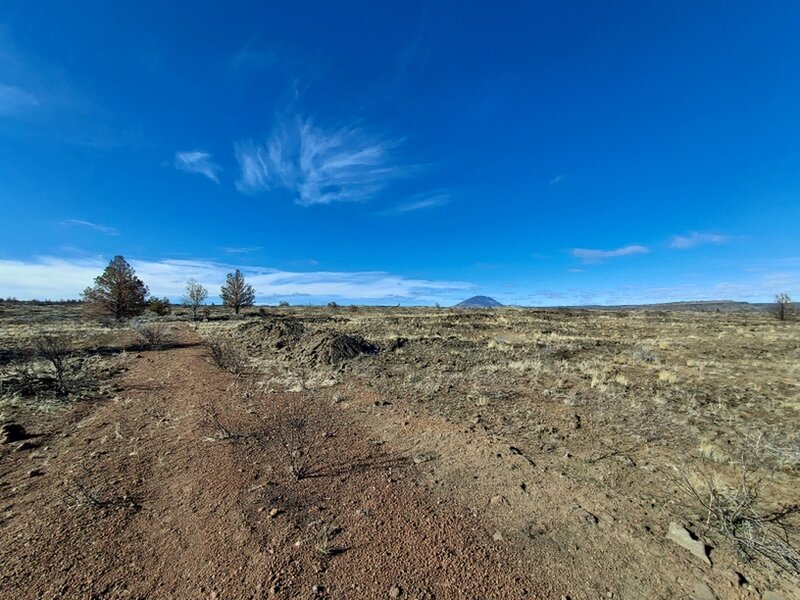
[[139, 497]]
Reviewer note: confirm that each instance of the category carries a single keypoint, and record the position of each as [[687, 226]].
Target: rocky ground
[[368, 453]]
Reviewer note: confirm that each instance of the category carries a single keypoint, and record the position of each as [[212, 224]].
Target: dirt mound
[[332, 348], [278, 333]]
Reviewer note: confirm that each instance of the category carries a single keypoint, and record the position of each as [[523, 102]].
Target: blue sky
[[418, 152]]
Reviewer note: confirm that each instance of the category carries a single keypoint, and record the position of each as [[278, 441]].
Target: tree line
[[119, 294]]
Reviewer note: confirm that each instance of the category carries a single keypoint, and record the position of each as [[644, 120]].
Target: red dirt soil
[[135, 498]]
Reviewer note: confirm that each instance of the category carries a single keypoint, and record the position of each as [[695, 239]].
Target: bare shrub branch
[[154, 335], [735, 512], [56, 349], [226, 354], [213, 419]]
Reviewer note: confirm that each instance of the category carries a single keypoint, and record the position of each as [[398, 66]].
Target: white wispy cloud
[[248, 58], [317, 166], [89, 225], [591, 256], [240, 249], [557, 179], [419, 202], [197, 161], [14, 100], [696, 239], [51, 277]]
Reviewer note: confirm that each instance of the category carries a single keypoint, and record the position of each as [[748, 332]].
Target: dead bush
[[222, 431], [154, 335], [55, 348], [84, 489], [736, 513], [226, 354], [779, 449], [297, 431]]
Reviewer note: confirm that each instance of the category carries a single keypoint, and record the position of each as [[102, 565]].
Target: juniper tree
[[117, 293]]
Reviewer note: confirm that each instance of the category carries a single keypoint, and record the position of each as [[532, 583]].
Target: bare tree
[[783, 305], [117, 293], [236, 292], [195, 295]]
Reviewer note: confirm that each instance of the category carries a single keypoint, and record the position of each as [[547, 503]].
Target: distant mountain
[[479, 302]]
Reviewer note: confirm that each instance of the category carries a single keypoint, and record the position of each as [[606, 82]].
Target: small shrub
[[222, 431], [226, 354], [298, 433], [55, 349], [159, 306], [154, 335], [736, 513]]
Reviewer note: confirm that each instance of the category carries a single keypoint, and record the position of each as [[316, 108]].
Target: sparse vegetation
[[522, 400]]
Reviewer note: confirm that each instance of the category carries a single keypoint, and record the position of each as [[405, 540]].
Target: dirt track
[[132, 498]]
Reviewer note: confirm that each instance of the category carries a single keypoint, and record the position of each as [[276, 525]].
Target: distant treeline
[[37, 302]]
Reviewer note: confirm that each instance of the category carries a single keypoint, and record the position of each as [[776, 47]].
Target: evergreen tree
[[236, 292], [117, 293]]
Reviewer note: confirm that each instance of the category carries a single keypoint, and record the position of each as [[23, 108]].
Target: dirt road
[[135, 497]]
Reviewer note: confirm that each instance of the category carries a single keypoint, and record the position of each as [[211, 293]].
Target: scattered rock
[[396, 343], [588, 517], [736, 578], [35, 473], [317, 590], [703, 592], [498, 537], [395, 592], [331, 348], [499, 500], [13, 432], [423, 458], [683, 537], [274, 512], [26, 445]]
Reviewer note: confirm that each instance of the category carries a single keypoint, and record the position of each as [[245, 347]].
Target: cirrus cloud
[[682, 242], [197, 161], [316, 165], [592, 256]]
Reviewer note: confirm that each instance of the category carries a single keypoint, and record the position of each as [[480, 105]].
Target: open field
[[397, 452]]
